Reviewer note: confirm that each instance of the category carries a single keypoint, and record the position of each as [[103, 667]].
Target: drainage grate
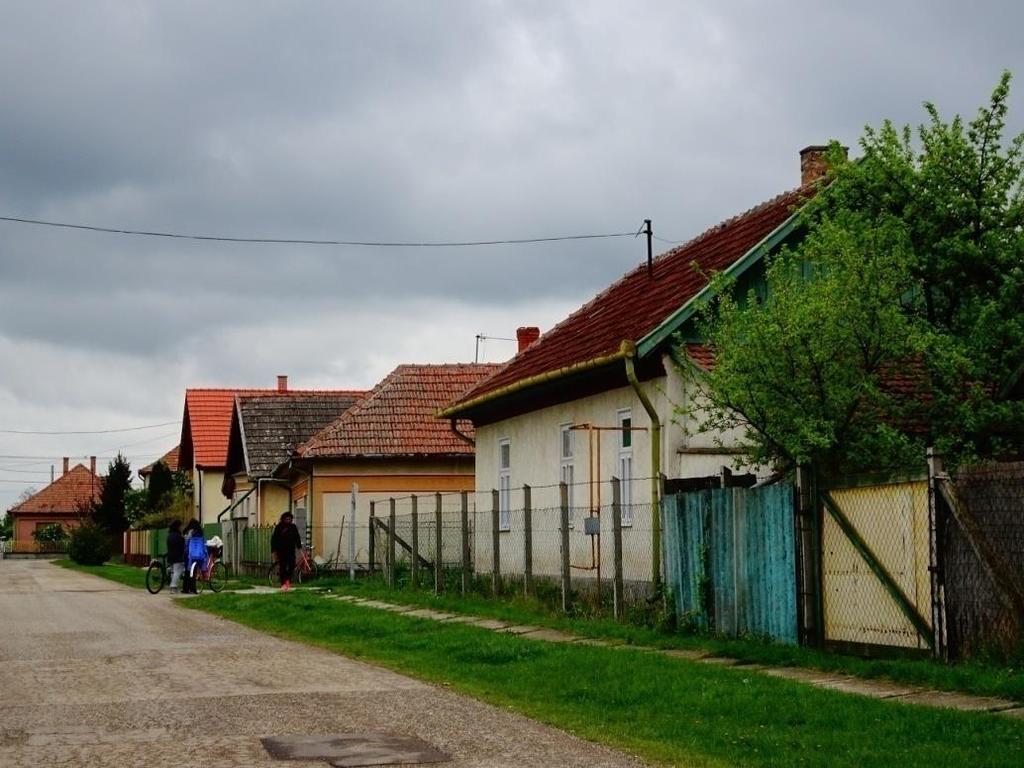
[[351, 750]]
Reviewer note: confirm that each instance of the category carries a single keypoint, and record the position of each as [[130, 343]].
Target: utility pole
[[650, 254]]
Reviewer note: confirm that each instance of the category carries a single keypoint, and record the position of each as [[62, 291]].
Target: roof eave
[[653, 340], [454, 411]]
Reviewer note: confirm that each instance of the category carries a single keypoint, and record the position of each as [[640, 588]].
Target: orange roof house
[[600, 395], [170, 459], [388, 444], [62, 501], [203, 451]]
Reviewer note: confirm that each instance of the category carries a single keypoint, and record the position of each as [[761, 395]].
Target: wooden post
[[618, 606], [352, 533], [465, 542], [414, 574], [566, 582], [373, 540], [495, 541], [438, 543], [527, 541], [936, 528], [391, 543]]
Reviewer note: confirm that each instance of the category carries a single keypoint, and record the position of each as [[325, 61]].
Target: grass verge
[[977, 678], [134, 576], [665, 710]]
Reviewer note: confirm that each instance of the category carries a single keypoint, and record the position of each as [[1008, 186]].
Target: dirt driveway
[[96, 674]]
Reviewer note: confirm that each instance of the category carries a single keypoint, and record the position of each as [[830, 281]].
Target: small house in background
[[601, 394], [388, 444], [170, 459], [203, 452], [265, 431], [62, 501]]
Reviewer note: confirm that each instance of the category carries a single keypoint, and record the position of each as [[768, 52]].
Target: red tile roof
[[635, 305], [397, 417], [170, 459], [206, 426], [64, 495]]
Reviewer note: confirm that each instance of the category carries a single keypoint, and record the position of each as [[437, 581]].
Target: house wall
[[208, 482], [535, 442], [378, 481], [264, 505], [24, 526]]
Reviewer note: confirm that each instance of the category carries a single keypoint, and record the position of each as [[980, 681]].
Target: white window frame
[[504, 486], [625, 466], [567, 462]]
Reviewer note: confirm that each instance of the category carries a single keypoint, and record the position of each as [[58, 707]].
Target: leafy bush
[[50, 532], [178, 506], [90, 545]]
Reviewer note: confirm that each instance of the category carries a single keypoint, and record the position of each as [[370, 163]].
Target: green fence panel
[[731, 559]]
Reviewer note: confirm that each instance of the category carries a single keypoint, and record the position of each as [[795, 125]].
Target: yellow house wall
[[377, 482], [208, 483]]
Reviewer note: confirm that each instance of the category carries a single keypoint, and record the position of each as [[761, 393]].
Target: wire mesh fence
[[982, 549]]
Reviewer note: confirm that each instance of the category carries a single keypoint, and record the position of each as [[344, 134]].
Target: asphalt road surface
[[96, 674]]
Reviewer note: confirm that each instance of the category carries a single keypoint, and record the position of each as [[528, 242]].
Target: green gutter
[[674, 322]]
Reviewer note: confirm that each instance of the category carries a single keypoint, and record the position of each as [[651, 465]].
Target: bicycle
[[214, 574], [156, 575], [305, 568]]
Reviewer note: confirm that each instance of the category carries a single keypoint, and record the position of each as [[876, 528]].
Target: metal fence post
[[415, 572], [527, 541], [391, 543], [495, 541], [438, 544], [352, 533], [373, 539], [566, 583], [936, 527], [617, 585], [465, 542]]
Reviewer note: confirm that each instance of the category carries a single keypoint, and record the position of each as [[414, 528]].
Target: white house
[[600, 395]]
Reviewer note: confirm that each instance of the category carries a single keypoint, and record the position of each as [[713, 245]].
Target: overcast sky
[[394, 121]]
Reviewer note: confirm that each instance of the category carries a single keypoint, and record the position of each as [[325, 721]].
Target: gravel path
[[96, 674]]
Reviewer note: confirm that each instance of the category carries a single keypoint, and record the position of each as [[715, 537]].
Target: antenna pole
[[650, 255]]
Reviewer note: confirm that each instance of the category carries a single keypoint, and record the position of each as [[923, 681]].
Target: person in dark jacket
[[175, 553], [284, 543]]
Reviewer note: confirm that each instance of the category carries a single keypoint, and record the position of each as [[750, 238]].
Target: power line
[[87, 431], [290, 241]]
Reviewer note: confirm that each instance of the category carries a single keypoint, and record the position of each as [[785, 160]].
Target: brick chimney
[[65, 466], [282, 383], [813, 164], [92, 464], [526, 336]]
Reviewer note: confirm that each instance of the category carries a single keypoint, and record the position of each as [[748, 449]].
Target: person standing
[[175, 553], [284, 543], [195, 548]]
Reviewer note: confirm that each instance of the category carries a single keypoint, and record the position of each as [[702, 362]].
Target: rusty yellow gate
[[875, 558]]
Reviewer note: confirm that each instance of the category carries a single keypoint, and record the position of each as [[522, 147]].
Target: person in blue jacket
[[195, 547]]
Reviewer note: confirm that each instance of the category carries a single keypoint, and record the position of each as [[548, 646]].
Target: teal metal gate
[[730, 560]]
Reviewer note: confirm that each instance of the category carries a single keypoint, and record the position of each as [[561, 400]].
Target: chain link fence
[[982, 549]]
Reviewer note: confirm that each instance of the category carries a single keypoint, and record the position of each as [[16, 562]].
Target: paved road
[[96, 674]]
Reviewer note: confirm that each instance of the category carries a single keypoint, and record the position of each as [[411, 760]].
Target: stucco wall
[[208, 483]]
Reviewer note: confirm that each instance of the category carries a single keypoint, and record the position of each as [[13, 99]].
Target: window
[[626, 465], [504, 484], [566, 457]]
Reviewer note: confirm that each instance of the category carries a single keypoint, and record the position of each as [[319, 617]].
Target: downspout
[[629, 354], [454, 424], [200, 469]]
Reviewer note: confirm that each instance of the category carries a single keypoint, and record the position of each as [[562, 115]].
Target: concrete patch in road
[[350, 750]]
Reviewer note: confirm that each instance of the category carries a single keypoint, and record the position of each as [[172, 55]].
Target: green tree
[[897, 319], [161, 485], [51, 532], [110, 513], [135, 504], [6, 527]]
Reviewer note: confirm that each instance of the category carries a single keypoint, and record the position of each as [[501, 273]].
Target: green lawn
[[983, 679], [136, 577], [666, 710]]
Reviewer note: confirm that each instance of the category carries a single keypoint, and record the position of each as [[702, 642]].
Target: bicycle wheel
[[197, 578], [155, 577], [274, 576], [218, 577]]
